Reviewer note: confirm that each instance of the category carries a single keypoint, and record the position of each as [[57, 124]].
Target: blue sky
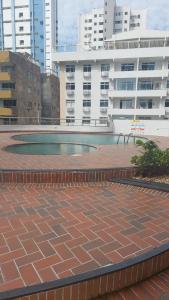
[[69, 10]]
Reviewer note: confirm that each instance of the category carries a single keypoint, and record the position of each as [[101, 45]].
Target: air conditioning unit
[[70, 75], [70, 109], [70, 92], [86, 109], [86, 92], [103, 110], [87, 74], [104, 73], [104, 92]]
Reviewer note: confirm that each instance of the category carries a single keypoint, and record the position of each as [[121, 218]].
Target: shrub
[[153, 160]]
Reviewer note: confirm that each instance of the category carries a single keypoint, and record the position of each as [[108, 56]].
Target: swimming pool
[[83, 138]]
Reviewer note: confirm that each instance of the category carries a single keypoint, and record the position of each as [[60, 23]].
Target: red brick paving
[[51, 231], [114, 156], [155, 288]]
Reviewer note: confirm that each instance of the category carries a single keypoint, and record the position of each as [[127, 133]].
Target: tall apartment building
[[127, 79], [100, 24], [20, 88], [29, 26]]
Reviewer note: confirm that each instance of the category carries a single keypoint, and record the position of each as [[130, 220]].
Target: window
[[104, 85], [118, 22], [127, 67], [105, 68], [7, 68], [125, 84], [103, 120], [86, 103], [9, 103], [70, 68], [95, 16], [100, 31], [148, 66], [146, 104], [101, 23], [70, 86], [167, 103], [85, 120], [70, 103], [167, 84], [146, 85], [70, 120], [104, 103], [20, 14], [21, 28], [87, 68], [21, 42], [8, 85], [126, 104], [126, 13], [100, 39], [87, 86]]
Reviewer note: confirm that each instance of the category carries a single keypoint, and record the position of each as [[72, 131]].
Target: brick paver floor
[[105, 157], [51, 231], [155, 288]]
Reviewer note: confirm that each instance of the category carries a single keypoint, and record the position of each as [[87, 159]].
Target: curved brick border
[[103, 280], [99, 282], [65, 176]]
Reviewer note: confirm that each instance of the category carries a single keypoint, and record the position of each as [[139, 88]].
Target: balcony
[[139, 74], [137, 93], [5, 111], [70, 93], [139, 112], [6, 94], [5, 76]]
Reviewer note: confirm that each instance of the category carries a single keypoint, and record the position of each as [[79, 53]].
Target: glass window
[[146, 85], [70, 103], [87, 86], [86, 120], [70, 86], [86, 103], [167, 84], [70, 68], [126, 104], [9, 103], [167, 103], [146, 104], [126, 84], [104, 103], [127, 67], [8, 85], [105, 67], [148, 66], [103, 120], [87, 68], [104, 85], [70, 119]]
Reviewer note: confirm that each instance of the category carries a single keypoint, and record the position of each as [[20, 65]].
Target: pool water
[[89, 139], [49, 149]]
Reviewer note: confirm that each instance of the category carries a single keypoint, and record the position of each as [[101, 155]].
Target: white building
[[100, 24], [29, 26], [127, 79]]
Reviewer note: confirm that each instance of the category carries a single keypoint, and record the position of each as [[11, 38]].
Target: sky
[[69, 11]]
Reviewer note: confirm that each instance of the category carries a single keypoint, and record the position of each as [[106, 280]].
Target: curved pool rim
[[6, 148]]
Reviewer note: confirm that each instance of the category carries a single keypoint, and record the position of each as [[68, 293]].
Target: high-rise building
[[29, 26], [127, 79], [100, 24]]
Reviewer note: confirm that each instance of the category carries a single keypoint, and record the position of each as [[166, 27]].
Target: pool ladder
[[126, 138]]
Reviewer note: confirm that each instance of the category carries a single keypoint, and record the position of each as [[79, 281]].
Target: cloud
[[69, 11]]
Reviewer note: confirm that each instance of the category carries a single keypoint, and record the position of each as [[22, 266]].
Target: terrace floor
[[50, 231]]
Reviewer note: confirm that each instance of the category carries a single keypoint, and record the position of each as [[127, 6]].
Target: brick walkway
[[105, 157], [155, 288], [50, 231]]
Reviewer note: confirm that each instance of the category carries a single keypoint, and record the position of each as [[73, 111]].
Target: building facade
[[20, 91], [29, 26], [127, 79], [100, 24], [50, 98]]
